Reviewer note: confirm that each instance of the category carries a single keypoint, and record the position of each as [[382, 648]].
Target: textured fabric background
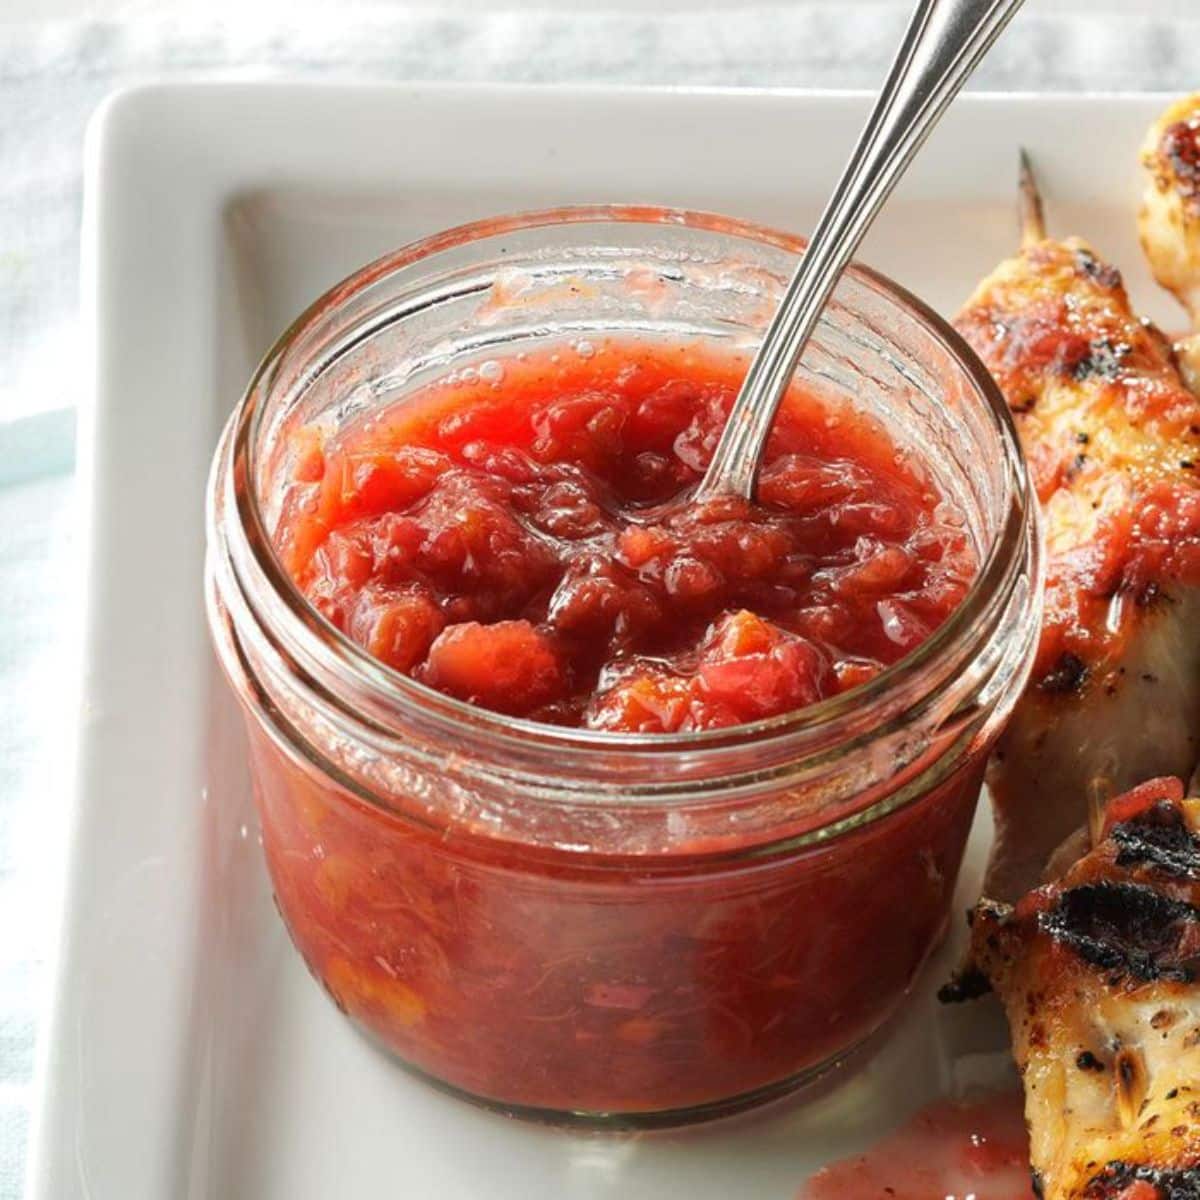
[[52, 74]]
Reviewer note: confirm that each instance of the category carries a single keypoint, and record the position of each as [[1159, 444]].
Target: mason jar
[[578, 925]]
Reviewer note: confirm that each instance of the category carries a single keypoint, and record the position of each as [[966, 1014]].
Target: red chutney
[[584, 983], [492, 538], [520, 537]]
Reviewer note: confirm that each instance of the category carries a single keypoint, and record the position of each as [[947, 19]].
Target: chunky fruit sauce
[[520, 536], [583, 982]]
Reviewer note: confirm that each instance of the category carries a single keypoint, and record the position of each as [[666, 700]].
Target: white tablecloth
[[53, 74]]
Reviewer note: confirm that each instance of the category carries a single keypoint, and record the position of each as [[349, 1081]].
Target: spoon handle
[[942, 45]]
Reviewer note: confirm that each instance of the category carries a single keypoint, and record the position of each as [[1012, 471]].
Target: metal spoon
[[942, 45]]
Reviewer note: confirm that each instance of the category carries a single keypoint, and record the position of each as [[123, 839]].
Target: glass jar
[[628, 930]]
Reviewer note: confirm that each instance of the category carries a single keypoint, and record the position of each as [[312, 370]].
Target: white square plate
[[191, 1056]]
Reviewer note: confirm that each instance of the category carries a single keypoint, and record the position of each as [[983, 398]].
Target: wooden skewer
[[1029, 204], [1031, 220]]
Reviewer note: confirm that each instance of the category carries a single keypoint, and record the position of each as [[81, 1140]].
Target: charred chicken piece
[[1169, 219], [1099, 975], [1113, 439]]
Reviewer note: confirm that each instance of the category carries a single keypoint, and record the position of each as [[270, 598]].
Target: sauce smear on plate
[[952, 1150]]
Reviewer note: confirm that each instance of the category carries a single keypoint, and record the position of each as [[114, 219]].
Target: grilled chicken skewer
[[1097, 974], [1113, 439], [1169, 219]]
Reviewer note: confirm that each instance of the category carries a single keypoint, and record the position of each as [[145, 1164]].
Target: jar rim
[[325, 643]]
